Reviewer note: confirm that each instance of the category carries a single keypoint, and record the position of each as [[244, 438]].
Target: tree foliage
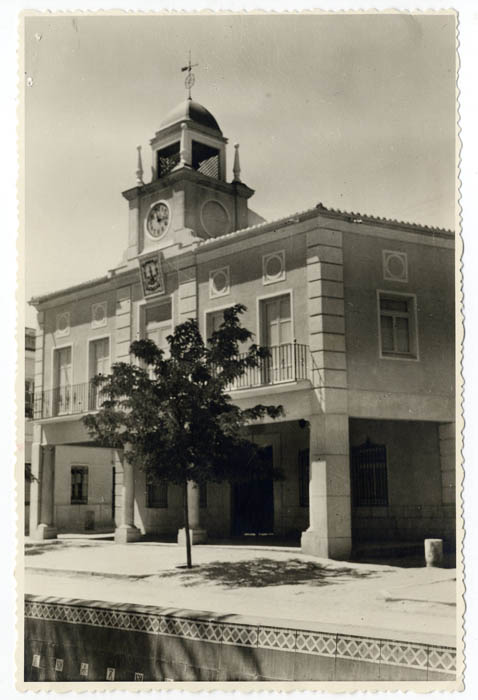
[[174, 415]]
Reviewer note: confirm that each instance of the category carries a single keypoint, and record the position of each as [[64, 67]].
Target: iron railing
[[369, 475], [68, 400], [286, 363]]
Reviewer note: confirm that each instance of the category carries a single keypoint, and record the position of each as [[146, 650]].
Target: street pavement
[[272, 583]]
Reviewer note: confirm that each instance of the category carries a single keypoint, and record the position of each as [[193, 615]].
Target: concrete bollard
[[434, 552]]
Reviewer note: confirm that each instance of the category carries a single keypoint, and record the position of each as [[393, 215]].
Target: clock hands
[[158, 220]]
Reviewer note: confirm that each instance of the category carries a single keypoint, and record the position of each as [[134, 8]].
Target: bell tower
[[188, 197]]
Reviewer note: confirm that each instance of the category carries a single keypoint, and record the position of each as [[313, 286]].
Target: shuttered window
[[397, 317], [79, 485]]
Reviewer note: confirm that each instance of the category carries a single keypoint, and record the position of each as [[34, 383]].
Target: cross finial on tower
[[190, 79]]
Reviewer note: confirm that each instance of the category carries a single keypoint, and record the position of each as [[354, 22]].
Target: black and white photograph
[[240, 456]]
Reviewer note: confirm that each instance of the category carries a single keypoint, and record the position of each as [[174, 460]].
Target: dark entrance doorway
[[253, 505]]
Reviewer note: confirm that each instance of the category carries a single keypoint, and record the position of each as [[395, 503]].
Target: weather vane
[[190, 79]]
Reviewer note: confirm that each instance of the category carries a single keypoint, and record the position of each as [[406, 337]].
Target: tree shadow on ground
[[259, 573], [55, 545]]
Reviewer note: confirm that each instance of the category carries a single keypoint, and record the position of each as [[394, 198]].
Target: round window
[[99, 313], [274, 267], [63, 322], [396, 266], [215, 218], [220, 282]]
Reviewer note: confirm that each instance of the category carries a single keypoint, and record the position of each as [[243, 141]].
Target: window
[[29, 339], [62, 381], [157, 323], [397, 318], [62, 324], [205, 159], [369, 475], [203, 495], [157, 494], [29, 392], [214, 319], [99, 363], [219, 282], [395, 265], [273, 267], [28, 481], [304, 470], [276, 334], [167, 159], [79, 485], [99, 315]]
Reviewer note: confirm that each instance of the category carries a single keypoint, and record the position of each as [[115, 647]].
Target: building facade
[[358, 313], [29, 403]]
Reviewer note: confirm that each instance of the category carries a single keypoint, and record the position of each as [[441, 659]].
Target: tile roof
[[354, 217]]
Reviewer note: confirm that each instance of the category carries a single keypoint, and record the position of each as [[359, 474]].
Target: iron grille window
[[79, 485], [203, 495], [167, 159], [369, 475], [157, 494], [304, 471]]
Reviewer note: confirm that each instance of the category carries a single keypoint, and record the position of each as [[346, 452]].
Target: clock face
[[158, 220]]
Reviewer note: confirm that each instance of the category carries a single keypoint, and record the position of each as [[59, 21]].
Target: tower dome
[[189, 110]]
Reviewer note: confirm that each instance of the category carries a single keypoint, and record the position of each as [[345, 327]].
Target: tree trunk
[[186, 525]]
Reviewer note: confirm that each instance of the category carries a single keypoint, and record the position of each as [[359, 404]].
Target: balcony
[[67, 401], [286, 363]]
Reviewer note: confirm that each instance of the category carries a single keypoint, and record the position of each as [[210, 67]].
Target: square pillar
[[35, 487], [127, 531], [42, 494], [330, 530], [197, 533]]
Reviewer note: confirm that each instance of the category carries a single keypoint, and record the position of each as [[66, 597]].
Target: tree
[[173, 416]]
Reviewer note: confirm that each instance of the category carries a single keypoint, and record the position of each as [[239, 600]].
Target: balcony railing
[[286, 363], [68, 400]]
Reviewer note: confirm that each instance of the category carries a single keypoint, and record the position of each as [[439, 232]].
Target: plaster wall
[[415, 507], [80, 333], [167, 521], [72, 517], [287, 439], [373, 380], [246, 283]]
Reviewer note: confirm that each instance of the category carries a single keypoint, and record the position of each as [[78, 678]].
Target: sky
[[356, 112]]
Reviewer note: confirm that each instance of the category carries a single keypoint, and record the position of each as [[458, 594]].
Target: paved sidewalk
[[270, 582]]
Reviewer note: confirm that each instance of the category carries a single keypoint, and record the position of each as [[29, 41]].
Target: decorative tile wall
[[408, 655]]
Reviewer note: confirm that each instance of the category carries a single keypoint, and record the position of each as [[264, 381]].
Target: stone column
[[448, 449], [185, 155], [330, 531], [35, 485], [127, 532], [198, 533], [45, 499]]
